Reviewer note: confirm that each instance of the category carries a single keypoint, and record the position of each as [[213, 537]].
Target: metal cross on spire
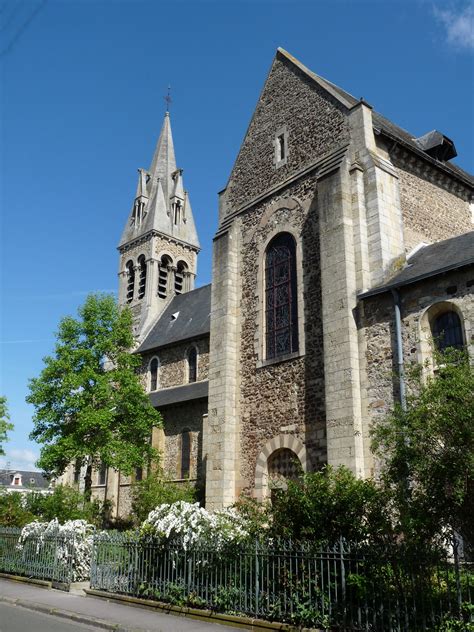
[[168, 99]]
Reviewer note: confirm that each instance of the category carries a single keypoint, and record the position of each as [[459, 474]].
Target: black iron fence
[[46, 557], [341, 587]]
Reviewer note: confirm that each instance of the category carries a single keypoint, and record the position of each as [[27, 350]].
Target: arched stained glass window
[[154, 374], [281, 316], [185, 454], [192, 365], [130, 281], [142, 276], [447, 331]]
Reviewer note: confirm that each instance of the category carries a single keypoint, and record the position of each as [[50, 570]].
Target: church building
[[343, 246]]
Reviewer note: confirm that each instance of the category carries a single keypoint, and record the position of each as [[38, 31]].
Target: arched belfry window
[[154, 366], [163, 271], [447, 331], [281, 313], [192, 365], [179, 278], [130, 281], [142, 276]]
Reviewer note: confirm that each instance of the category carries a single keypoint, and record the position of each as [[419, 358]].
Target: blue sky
[[82, 86]]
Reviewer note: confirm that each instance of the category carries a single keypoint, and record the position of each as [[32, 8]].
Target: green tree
[[155, 490], [13, 512], [5, 424], [325, 505], [427, 452], [90, 404]]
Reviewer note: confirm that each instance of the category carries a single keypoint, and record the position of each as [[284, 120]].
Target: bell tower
[[159, 245]]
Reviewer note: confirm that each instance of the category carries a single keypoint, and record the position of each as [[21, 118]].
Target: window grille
[[447, 331], [280, 297], [284, 464]]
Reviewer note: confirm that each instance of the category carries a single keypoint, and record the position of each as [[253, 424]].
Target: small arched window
[[192, 365], [163, 271], [181, 269], [130, 281], [142, 276], [102, 474], [447, 331], [281, 312], [177, 212], [154, 365], [185, 465]]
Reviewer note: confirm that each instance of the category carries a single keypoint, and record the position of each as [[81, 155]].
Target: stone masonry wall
[[186, 416], [288, 396], [430, 212], [173, 363], [313, 119], [377, 318]]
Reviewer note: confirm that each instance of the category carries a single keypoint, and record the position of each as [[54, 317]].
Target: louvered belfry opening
[[163, 276], [130, 281], [142, 276], [179, 277]]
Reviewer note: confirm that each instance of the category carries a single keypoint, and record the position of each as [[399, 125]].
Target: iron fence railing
[[45, 557], [340, 587]]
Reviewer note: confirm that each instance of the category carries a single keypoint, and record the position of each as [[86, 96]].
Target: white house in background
[[24, 482]]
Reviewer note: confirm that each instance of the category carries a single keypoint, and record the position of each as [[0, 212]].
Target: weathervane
[[168, 99]]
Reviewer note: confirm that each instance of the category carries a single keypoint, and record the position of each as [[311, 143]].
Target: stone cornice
[[154, 233]]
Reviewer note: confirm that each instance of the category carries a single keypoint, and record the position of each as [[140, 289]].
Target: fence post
[[257, 580], [456, 574]]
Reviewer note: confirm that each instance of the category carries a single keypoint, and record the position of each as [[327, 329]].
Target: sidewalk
[[98, 612]]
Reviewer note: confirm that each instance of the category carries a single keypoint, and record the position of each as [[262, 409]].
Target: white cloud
[[459, 26], [19, 459]]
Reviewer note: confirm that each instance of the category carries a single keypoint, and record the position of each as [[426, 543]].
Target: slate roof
[[26, 477], [179, 394], [443, 256], [187, 316], [381, 124]]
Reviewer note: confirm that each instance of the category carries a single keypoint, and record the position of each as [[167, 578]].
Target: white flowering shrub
[[73, 544], [193, 526]]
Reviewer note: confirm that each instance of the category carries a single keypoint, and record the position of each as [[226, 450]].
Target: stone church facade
[[343, 246]]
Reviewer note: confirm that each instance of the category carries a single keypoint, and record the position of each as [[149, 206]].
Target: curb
[[246, 623], [67, 614], [28, 580]]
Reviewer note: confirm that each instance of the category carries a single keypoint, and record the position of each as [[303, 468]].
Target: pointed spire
[[161, 199], [164, 163]]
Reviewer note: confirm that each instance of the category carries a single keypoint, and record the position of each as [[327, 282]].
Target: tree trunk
[[88, 482]]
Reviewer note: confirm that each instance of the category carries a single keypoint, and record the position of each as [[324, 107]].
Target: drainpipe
[[398, 336]]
